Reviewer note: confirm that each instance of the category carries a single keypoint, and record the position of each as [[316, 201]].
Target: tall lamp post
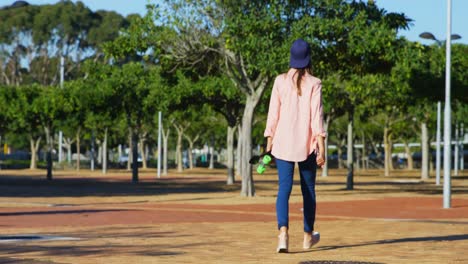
[[447, 113], [428, 35]]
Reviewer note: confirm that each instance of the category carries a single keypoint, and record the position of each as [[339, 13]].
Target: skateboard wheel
[[266, 159], [261, 169]]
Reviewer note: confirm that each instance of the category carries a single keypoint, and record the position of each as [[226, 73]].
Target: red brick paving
[[422, 208]]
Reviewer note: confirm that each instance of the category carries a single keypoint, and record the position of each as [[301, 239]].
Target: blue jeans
[[307, 170]]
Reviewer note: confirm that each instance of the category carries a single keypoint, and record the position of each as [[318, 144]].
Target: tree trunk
[[409, 156], [375, 148], [49, 152], [357, 163], [390, 151], [248, 188], [230, 154], [69, 154], [143, 153], [119, 152], [339, 150], [425, 152], [180, 167], [431, 164], [191, 142], [146, 151], [165, 139], [239, 151], [104, 151], [78, 152], [190, 156], [455, 152], [92, 150], [462, 156], [364, 152], [211, 166], [69, 150], [386, 151], [134, 156], [99, 156], [34, 148], [129, 155], [350, 177], [326, 124]]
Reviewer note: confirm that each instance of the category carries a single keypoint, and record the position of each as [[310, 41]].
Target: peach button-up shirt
[[295, 121]]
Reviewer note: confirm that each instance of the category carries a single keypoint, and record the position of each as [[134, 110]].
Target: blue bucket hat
[[299, 54]]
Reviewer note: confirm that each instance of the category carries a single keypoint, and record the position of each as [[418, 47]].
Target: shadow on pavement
[[75, 249], [62, 212], [399, 240], [34, 186], [81, 251], [25, 261], [11, 186], [336, 262]]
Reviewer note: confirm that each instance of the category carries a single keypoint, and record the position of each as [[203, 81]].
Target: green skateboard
[[263, 160]]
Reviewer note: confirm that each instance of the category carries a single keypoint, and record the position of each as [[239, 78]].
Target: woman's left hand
[[321, 159]]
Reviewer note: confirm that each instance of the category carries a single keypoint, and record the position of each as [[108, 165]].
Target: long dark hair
[[301, 72]]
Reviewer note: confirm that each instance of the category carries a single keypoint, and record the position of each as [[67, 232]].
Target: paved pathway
[[194, 220], [403, 208]]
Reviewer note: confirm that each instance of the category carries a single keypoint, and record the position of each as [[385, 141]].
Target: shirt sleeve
[[316, 123], [273, 112]]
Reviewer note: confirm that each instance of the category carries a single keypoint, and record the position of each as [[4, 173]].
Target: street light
[[428, 35], [447, 113]]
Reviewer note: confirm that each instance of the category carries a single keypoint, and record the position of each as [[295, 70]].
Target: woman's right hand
[[269, 144]]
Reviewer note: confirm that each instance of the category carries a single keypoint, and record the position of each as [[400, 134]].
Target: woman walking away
[[295, 133]]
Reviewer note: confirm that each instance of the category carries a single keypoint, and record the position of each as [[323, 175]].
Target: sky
[[427, 15]]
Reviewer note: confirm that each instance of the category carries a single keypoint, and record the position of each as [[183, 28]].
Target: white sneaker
[[313, 241], [283, 242]]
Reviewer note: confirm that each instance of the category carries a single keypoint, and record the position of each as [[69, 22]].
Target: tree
[[222, 96], [6, 95], [180, 122], [201, 124], [41, 34], [252, 39], [135, 80], [335, 102], [78, 94], [24, 118], [166, 130], [251, 52], [50, 107], [130, 86]]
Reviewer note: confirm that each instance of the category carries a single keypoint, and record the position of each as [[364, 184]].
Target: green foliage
[[220, 93], [7, 98], [134, 41], [40, 34], [459, 73], [191, 59], [51, 106]]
